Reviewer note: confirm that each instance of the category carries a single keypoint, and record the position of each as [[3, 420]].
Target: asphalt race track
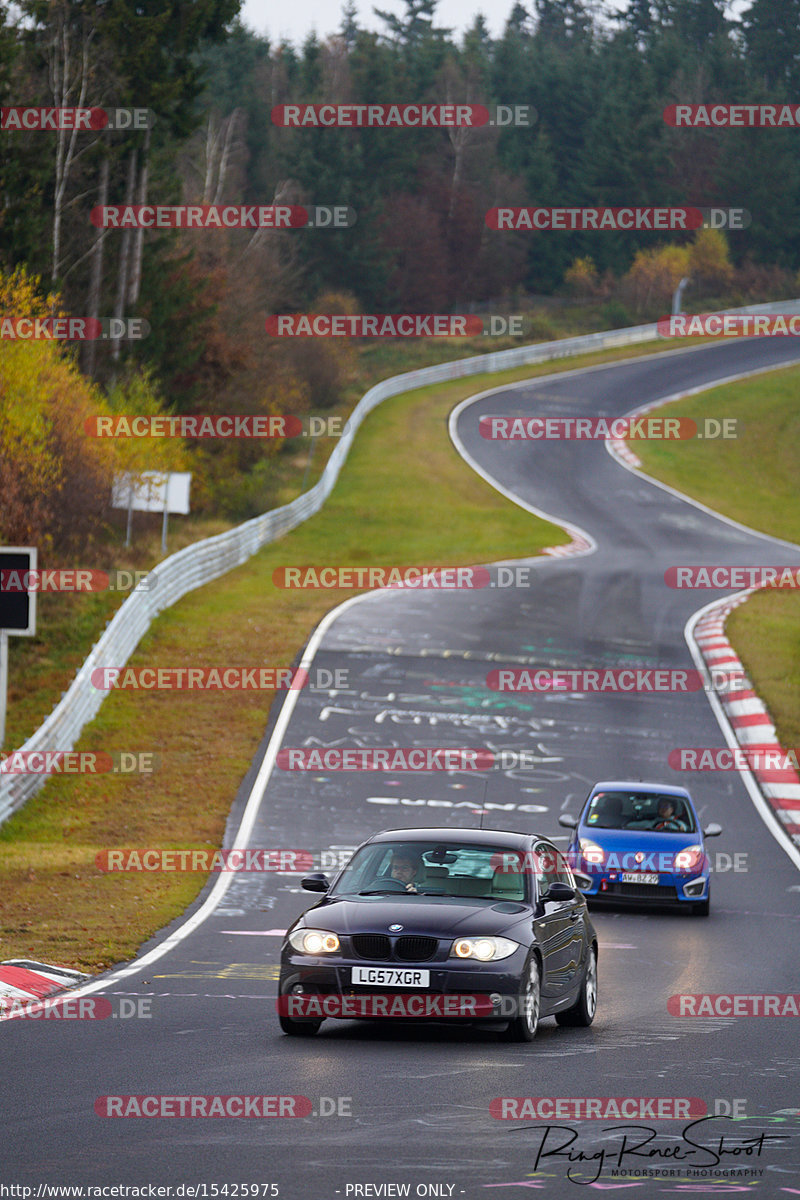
[[417, 1107]]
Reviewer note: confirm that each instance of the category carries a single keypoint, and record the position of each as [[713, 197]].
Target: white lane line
[[255, 932]]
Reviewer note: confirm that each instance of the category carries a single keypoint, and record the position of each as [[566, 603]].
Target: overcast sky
[[295, 19]]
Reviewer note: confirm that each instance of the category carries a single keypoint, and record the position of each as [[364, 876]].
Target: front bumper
[[671, 888], [307, 975]]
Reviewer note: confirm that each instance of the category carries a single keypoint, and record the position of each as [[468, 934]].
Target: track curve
[[419, 1099]]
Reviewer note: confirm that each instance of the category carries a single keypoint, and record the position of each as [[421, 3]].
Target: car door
[[576, 910], [553, 923]]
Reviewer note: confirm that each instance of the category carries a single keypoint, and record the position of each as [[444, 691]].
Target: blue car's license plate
[[637, 877]]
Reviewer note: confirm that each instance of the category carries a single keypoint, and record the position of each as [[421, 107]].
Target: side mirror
[[568, 821], [559, 892], [315, 883], [712, 830]]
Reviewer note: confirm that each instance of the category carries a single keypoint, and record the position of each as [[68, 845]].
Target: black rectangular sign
[[17, 608]]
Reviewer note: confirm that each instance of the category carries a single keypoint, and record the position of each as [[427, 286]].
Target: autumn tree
[[56, 477], [710, 263], [654, 276]]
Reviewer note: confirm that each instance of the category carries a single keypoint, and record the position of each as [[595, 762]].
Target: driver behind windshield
[[405, 867], [667, 817]]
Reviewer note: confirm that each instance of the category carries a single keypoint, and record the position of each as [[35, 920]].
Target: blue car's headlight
[[591, 853], [689, 860], [314, 941], [484, 949]]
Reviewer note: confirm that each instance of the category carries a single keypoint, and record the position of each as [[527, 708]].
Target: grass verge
[[752, 478]]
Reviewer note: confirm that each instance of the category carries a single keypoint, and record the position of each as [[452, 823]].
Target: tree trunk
[[64, 79], [230, 126], [96, 272], [136, 276], [124, 255]]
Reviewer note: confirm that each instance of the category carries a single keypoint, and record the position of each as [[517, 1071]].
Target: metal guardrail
[[206, 560]]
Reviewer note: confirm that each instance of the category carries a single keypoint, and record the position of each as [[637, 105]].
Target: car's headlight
[[592, 853], [690, 858], [485, 949], [314, 941]]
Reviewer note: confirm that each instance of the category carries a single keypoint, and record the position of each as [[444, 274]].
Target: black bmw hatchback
[[474, 925]]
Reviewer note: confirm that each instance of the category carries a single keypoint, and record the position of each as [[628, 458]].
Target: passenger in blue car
[[610, 815]]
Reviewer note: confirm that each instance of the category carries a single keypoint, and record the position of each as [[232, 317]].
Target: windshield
[[640, 811], [432, 869]]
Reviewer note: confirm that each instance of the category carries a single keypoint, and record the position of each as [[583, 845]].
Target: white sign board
[[152, 491]]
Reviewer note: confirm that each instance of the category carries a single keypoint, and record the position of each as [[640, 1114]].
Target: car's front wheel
[[298, 1028], [583, 1010], [702, 907], [522, 1027]]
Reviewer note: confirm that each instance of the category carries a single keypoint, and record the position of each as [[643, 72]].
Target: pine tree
[[349, 26], [772, 37]]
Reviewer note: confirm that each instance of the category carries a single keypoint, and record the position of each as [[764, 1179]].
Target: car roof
[[635, 785], [478, 837]]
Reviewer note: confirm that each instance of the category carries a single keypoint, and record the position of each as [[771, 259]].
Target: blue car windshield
[[434, 869], [640, 811]]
